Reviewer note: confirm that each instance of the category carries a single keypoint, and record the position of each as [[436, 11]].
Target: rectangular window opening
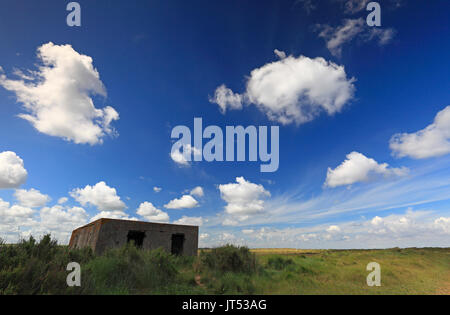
[[136, 238], [177, 244]]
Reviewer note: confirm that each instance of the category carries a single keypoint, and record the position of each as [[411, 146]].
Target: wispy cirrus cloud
[[355, 6], [407, 229], [308, 5], [351, 29], [423, 186]]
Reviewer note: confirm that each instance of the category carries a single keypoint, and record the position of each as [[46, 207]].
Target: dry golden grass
[[403, 271], [285, 251]]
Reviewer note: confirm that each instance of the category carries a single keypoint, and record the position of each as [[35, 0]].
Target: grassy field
[[403, 271], [33, 267]]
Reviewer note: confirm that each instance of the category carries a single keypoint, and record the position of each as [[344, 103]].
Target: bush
[[129, 270], [232, 283], [32, 267], [39, 267], [279, 263], [228, 258]]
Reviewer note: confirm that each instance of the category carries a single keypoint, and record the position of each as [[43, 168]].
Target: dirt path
[[444, 289], [198, 281]]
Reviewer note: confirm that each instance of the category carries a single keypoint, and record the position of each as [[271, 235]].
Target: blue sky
[[161, 64]]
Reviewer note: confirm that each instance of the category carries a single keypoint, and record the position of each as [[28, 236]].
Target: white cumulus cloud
[[359, 168], [8, 212], [59, 221], [432, 141], [12, 171], [102, 196], [57, 99], [62, 200], [13, 219], [334, 229], [376, 221], [181, 155], [243, 199], [117, 214], [31, 198], [185, 202], [197, 191], [195, 221], [413, 228], [226, 99], [294, 90], [62, 219], [148, 211], [443, 224]]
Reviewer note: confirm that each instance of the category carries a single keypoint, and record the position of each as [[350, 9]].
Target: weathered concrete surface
[[108, 233]]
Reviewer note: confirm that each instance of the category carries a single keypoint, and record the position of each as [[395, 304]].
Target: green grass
[[32, 267], [403, 271]]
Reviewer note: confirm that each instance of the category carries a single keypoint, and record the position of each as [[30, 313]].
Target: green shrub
[[227, 258], [232, 283], [279, 263], [32, 267], [129, 270]]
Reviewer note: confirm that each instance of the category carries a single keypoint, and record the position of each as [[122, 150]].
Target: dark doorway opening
[[136, 237], [177, 244]]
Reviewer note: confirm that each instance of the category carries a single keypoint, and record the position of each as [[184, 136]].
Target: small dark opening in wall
[[177, 244], [136, 237]]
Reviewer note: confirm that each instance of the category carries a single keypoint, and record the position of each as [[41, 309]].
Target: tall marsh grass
[[39, 267]]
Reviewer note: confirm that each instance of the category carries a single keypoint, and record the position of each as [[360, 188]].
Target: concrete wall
[[107, 233], [86, 236]]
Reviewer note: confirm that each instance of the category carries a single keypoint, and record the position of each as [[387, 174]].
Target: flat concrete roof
[[105, 220]]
